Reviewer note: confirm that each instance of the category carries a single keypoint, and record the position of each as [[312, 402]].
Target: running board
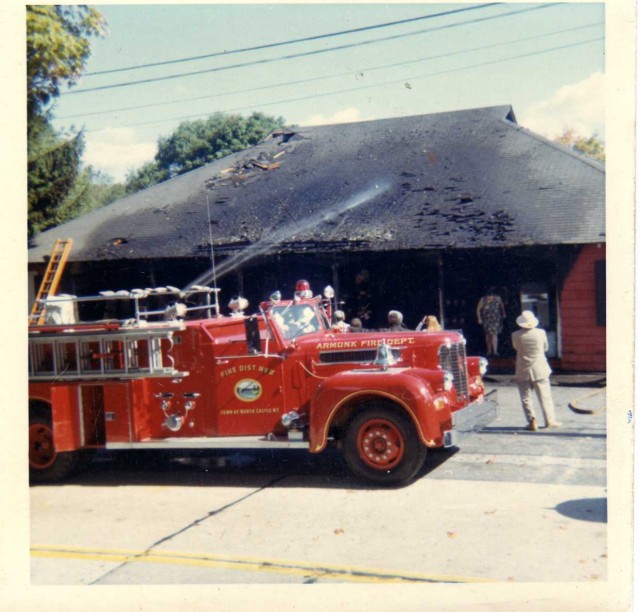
[[231, 442]]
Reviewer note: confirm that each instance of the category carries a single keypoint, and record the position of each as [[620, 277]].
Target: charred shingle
[[488, 182]]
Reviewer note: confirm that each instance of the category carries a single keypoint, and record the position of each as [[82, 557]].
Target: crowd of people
[[532, 369], [395, 323]]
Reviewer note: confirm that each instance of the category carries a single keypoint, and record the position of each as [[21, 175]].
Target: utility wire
[[304, 54], [293, 41], [404, 80], [332, 76]]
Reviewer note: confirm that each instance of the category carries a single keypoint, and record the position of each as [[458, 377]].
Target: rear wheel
[[45, 463], [381, 445]]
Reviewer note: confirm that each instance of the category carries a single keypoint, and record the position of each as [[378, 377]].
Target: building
[[421, 214]]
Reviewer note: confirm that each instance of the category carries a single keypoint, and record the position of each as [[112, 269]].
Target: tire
[[45, 464], [381, 446]]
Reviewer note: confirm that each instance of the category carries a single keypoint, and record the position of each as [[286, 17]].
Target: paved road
[[509, 506]]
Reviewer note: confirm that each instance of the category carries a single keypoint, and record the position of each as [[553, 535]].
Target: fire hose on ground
[[576, 406]]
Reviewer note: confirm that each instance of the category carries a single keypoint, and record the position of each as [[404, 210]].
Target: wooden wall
[[582, 312]]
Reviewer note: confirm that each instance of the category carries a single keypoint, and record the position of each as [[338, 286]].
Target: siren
[[303, 289]]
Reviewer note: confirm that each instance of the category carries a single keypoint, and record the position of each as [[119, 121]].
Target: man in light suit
[[533, 370]]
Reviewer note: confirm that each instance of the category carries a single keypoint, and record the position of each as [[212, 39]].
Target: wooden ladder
[[51, 280]]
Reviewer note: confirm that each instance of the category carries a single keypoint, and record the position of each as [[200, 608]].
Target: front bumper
[[471, 419]]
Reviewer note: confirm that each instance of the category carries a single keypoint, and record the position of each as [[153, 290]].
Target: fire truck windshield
[[296, 320]]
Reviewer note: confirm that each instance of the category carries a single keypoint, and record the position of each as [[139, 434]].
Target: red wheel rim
[[42, 452], [380, 444]]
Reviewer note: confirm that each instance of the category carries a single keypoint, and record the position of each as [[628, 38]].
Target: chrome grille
[[453, 357]]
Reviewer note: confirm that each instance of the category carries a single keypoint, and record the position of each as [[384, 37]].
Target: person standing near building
[[395, 320], [429, 323], [491, 314], [533, 370], [339, 324], [355, 325]]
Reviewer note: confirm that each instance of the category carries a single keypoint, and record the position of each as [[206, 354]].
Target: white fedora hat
[[527, 320]]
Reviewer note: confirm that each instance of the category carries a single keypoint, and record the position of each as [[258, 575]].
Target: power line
[[373, 86], [332, 76], [293, 41], [304, 54]]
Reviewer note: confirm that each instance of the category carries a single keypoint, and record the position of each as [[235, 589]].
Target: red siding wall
[[583, 341]]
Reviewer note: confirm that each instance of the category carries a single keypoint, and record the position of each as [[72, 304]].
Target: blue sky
[[546, 60]]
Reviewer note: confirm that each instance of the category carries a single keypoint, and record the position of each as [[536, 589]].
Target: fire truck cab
[[280, 378]]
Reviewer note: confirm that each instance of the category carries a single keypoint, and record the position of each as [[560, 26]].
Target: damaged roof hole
[[286, 136], [119, 241]]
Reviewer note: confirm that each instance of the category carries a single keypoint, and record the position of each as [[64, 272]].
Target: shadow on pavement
[[243, 468], [594, 509]]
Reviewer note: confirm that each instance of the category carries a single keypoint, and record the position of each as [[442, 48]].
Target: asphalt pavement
[[508, 506]]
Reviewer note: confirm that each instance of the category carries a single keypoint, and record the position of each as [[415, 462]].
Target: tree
[[53, 164], [146, 176], [92, 189], [196, 143], [57, 50], [592, 147]]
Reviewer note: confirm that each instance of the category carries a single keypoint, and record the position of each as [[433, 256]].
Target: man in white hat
[[533, 370]]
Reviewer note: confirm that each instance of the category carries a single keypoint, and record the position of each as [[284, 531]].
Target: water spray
[[269, 244]]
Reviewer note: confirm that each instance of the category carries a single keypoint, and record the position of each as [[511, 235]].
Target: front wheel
[[381, 445], [45, 463]]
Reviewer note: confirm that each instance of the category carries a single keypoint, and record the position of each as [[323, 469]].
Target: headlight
[[448, 381], [483, 365]]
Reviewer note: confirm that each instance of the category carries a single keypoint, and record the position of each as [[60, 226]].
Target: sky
[[545, 60]]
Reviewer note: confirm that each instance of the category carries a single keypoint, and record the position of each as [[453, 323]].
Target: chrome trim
[[452, 356], [471, 419], [231, 442]]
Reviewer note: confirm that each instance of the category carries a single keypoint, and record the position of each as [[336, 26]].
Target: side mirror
[[252, 333]]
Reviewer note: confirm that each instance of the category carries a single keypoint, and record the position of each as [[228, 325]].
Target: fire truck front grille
[[453, 358], [360, 356]]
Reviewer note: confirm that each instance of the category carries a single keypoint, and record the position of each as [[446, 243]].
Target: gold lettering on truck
[[354, 344]]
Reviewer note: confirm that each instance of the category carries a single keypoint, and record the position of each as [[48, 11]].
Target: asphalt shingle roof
[[459, 179]]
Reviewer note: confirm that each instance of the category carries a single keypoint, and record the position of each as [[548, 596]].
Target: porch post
[[441, 313]]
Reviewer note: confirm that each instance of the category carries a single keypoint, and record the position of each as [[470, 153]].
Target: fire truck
[[188, 377]]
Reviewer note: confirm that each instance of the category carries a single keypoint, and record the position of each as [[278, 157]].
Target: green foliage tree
[[196, 143], [147, 175], [52, 168], [92, 189], [592, 147], [57, 49]]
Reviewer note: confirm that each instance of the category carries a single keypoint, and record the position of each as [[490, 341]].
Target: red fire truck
[[282, 379]]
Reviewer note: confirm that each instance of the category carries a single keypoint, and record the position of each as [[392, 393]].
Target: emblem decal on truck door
[[248, 390]]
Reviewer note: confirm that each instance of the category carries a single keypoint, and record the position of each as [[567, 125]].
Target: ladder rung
[[51, 278]]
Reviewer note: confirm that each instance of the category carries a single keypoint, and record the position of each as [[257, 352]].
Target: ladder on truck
[[51, 279], [94, 354]]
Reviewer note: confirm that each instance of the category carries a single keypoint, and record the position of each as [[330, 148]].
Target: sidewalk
[[592, 379], [590, 390]]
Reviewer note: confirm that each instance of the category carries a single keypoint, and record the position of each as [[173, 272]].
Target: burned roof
[[459, 179]]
